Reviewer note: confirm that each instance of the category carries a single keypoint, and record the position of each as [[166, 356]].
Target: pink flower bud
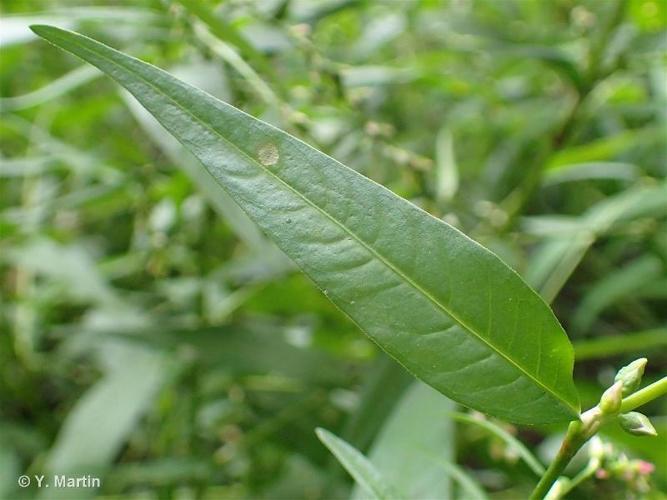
[[645, 468], [602, 474]]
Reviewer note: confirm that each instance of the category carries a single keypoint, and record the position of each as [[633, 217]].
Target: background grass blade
[[413, 434], [470, 488], [363, 472], [513, 442], [99, 425]]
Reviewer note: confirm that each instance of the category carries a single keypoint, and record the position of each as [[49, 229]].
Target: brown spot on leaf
[[268, 154]]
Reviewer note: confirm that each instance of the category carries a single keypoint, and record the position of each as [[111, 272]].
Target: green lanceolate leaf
[[447, 309], [359, 467]]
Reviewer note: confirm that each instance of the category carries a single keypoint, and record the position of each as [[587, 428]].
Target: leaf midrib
[[370, 249]]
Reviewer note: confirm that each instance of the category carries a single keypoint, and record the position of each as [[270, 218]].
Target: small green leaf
[[363, 472], [446, 308]]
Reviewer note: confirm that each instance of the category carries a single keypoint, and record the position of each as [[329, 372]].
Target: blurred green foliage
[[152, 336]]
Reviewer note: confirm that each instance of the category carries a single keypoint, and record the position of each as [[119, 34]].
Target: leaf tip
[[40, 29], [47, 31]]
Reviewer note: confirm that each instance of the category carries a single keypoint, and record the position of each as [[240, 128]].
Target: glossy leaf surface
[[447, 309]]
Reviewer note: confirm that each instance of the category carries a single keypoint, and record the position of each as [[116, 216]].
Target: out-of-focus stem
[[611, 345]]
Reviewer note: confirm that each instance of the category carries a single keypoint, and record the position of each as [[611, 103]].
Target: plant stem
[[580, 431], [643, 396]]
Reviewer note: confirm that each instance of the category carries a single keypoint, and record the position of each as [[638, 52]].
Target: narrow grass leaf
[[385, 383], [363, 472], [510, 440], [591, 171], [557, 258], [613, 345], [470, 488], [615, 286], [413, 433], [70, 81]]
